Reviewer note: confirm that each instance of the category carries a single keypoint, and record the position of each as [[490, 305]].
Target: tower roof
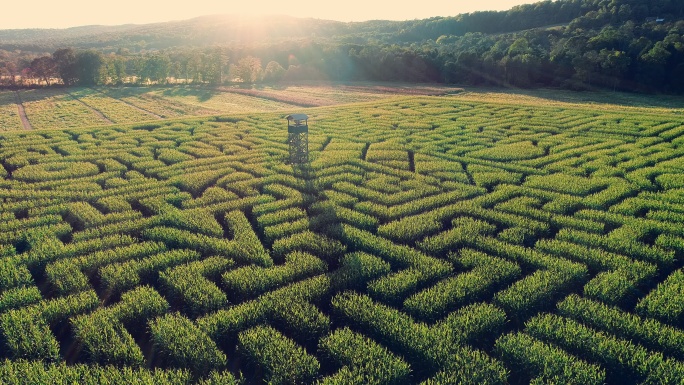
[[297, 117]]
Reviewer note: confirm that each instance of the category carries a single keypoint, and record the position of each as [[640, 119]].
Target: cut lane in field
[[179, 107], [150, 113], [95, 110], [113, 109], [319, 95], [277, 97], [22, 112], [53, 108], [150, 100], [223, 101]]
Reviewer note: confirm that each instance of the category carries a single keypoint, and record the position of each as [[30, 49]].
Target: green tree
[[115, 69], [469, 66], [652, 66], [65, 60], [657, 55], [519, 47], [586, 67], [211, 68], [248, 69], [521, 69], [194, 67], [89, 68], [214, 66], [44, 68], [135, 67], [614, 65], [273, 72], [624, 13], [180, 67], [156, 69], [119, 66]]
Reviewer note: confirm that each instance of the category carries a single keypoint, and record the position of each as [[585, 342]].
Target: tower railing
[[298, 138]]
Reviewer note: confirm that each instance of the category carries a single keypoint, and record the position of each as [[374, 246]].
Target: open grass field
[[464, 239], [113, 110], [56, 108], [9, 116]]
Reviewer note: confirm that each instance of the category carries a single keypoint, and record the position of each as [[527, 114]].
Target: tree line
[[616, 44]]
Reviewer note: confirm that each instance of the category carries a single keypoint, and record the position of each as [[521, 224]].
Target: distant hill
[[236, 30], [200, 31]]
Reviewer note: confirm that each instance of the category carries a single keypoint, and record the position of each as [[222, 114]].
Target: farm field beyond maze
[[60, 108], [430, 240]]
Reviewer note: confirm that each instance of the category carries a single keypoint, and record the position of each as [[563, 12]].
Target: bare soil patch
[[22, 113]]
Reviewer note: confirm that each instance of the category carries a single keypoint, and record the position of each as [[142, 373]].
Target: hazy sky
[[70, 13]]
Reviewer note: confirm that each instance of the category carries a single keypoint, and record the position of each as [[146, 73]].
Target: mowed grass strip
[[56, 109], [114, 109], [9, 115]]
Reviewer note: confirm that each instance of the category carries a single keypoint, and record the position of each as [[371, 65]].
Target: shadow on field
[[34, 94], [322, 216], [202, 94]]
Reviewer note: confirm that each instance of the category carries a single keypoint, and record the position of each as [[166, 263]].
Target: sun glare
[[70, 13]]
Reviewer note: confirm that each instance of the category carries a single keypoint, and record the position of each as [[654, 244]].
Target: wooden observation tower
[[298, 138]]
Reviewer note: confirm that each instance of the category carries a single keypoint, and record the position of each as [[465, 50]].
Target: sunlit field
[[58, 108], [468, 237], [599, 99], [9, 115]]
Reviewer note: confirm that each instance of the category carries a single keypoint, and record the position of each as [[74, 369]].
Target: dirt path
[[22, 112], [96, 111], [130, 104]]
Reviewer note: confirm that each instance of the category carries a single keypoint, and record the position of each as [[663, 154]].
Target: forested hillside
[[577, 44]]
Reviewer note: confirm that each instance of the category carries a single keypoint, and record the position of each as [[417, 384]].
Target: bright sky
[[70, 13]]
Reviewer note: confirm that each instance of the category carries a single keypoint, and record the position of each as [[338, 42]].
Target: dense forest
[[578, 44]]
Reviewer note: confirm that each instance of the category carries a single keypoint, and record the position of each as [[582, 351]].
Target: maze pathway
[[430, 240]]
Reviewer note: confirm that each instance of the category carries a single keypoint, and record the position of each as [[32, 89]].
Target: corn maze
[[430, 240]]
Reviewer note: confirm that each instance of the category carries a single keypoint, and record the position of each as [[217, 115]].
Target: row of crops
[[82, 107], [86, 107], [430, 240]]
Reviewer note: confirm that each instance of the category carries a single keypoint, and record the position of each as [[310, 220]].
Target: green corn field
[[429, 240]]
